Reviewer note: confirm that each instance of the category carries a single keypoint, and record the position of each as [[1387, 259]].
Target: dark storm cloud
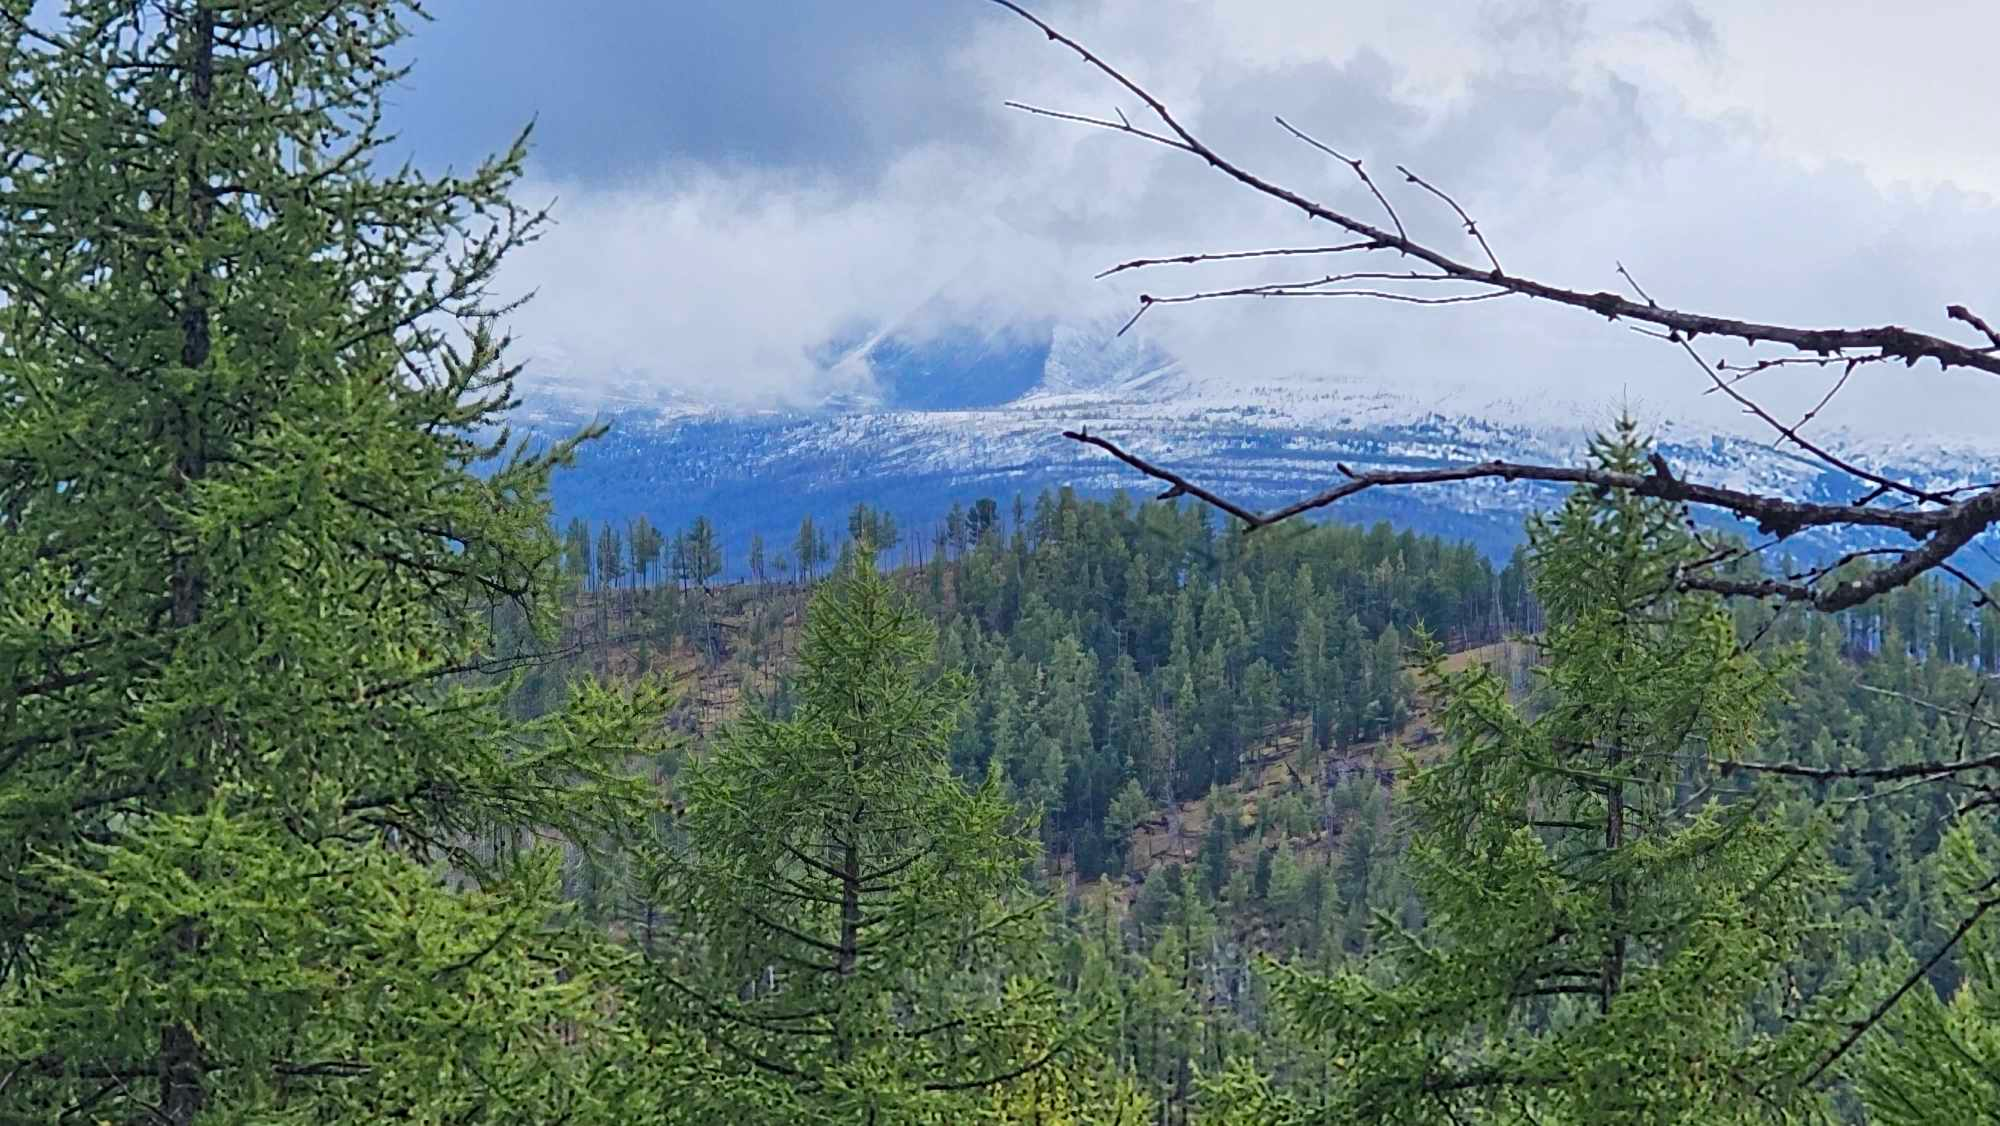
[[620, 87]]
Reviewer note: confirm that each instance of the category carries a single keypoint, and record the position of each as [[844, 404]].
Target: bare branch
[[1634, 283], [1119, 126], [1943, 531], [1312, 289], [1971, 718], [1867, 773], [1961, 313], [1791, 433], [1179, 486], [1892, 340]]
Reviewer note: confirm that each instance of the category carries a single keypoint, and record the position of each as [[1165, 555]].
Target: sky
[[735, 184]]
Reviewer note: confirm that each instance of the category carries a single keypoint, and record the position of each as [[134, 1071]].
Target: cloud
[[1580, 136], [616, 86]]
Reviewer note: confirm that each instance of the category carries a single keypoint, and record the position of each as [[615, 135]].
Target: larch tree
[[266, 832], [806, 550], [1601, 929], [858, 917], [576, 551], [1936, 1059]]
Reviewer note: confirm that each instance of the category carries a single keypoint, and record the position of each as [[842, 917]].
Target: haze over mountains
[[924, 420]]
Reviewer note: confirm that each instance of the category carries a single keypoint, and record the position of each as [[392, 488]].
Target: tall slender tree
[[245, 379], [703, 552], [807, 550], [576, 551]]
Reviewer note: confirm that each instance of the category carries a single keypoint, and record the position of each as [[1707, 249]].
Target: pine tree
[[248, 377], [703, 552], [858, 911]]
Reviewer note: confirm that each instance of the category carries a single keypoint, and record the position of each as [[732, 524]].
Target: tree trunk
[[180, 1069], [1614, 837]]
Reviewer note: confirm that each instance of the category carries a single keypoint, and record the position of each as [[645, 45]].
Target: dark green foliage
[[1140, 645]]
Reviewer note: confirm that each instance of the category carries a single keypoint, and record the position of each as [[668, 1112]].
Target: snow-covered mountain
[[966, 416]]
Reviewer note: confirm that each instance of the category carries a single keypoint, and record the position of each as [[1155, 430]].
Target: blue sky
[[738, 182]]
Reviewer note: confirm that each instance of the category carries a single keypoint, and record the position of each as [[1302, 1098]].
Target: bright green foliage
[[1597, 933], [245, 380], [1933, 1060], [854, 907], [1064, 1093]]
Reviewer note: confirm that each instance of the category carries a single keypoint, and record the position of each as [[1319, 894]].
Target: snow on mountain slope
[[960, 416]]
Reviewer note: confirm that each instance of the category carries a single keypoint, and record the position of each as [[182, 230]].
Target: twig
[[1188, 259], [1351, 162], [1471, 228], [1634, 283]]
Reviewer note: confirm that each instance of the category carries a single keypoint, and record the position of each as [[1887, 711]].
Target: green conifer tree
[[247, 377], [858, 918], [1596, 935]]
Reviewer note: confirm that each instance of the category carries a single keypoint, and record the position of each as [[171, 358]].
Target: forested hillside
[[1222, 777], [1123, 655]]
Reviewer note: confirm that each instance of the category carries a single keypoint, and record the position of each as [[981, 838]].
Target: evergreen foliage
[[857, 917], [329, 793], [266, 848], [1599, 932]]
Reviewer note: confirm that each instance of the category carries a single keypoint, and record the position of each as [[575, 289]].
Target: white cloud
[[1781, 160]]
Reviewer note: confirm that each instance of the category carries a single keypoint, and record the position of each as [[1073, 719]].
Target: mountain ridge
[[954, 417]]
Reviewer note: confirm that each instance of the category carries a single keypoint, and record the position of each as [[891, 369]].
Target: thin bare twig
[[1351, 162], [1226, 256], [1471, 228]]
